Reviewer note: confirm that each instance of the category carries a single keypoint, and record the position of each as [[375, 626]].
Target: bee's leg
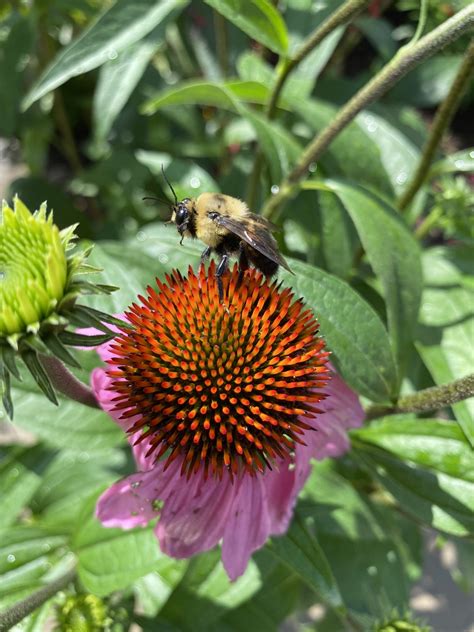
[[205, 254], [243, 263], [221, 269]]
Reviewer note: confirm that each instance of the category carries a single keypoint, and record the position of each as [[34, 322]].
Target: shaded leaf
[[362, 354], [395, 259], [258, 18], [120, 26]]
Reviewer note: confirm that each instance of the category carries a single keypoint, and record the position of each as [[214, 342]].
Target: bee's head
[[182, 216]]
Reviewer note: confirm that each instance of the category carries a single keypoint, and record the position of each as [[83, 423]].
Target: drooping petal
[[128, 503]]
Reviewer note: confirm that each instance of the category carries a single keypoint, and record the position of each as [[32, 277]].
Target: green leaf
[[117, 559], [70, 425], [120, 26], [300, 551], [26, 553], [442, 501], [279, 146], [18, 482], [337, 235], [258, 19], [351, 328], [119, 77], [395, 259], [183, 175], [353, 154], [360, 540], [225, 95], [444, 337], [460, 161], [69, 483], [153, 590], [427, 84], [433, 443], [17, 42], [398, 155]]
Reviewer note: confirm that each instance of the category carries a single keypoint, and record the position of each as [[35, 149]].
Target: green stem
[[66, 383], [428, 223], [441, 121], [343, 14], [406, 59], [429, 399], [220, 31], [16, 613]]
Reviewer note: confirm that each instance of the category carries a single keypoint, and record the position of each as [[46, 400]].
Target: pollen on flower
[[226, 387]]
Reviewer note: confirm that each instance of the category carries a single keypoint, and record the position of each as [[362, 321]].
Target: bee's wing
[[256, 234], [264, 222]]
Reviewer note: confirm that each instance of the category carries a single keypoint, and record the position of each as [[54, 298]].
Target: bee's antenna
[[169, 184]]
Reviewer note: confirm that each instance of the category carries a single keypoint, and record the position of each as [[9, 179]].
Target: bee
[[227, 227]]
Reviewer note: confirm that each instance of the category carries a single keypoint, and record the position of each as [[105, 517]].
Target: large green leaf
[[433, 443], [69, 425], [225, 95], [394, 256], [440, 500], [120, 26], [444, 338], [353, 331], [118, 78], [300, 550], [360, 540], [279, 146], [111, 559], [258, 18], [26, 554], [18, 482], [353, 154]]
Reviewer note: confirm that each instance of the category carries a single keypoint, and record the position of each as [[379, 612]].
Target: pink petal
[[194, 517], [248, 526], [128, 503]]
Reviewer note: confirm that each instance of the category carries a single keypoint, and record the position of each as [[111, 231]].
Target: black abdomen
[[261, 262]]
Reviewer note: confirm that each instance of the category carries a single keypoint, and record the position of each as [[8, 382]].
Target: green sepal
[[84, 287], [81, 316], [58, 350], [34, 366], [5, 388], [108, 318], [8, 358], [81, 340]]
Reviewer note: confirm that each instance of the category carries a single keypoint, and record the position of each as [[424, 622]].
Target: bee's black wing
[[254, 230]]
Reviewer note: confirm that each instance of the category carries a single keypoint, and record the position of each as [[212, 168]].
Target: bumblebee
[[227, 227]]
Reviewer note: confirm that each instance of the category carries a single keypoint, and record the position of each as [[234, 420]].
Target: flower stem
[[441, 121], [220, 33], [16, 613], [428, 399], [407, 58], [343, 14], [66, 383]]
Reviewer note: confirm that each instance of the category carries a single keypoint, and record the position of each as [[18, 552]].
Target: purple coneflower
[[225, 405]]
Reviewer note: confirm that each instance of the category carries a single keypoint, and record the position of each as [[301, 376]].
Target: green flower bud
[[33, 268], [40, 282], [82, 613]]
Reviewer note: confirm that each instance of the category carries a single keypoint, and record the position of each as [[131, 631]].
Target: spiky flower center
[[231, 386], [33, 268]]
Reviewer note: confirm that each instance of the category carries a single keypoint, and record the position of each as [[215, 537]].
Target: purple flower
[[206, 490]]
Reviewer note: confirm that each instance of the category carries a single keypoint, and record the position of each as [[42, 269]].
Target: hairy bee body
[[227, 227]]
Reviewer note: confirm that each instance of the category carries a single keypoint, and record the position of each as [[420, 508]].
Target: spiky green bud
[[33, 269], [40, 282], [82, 613]]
